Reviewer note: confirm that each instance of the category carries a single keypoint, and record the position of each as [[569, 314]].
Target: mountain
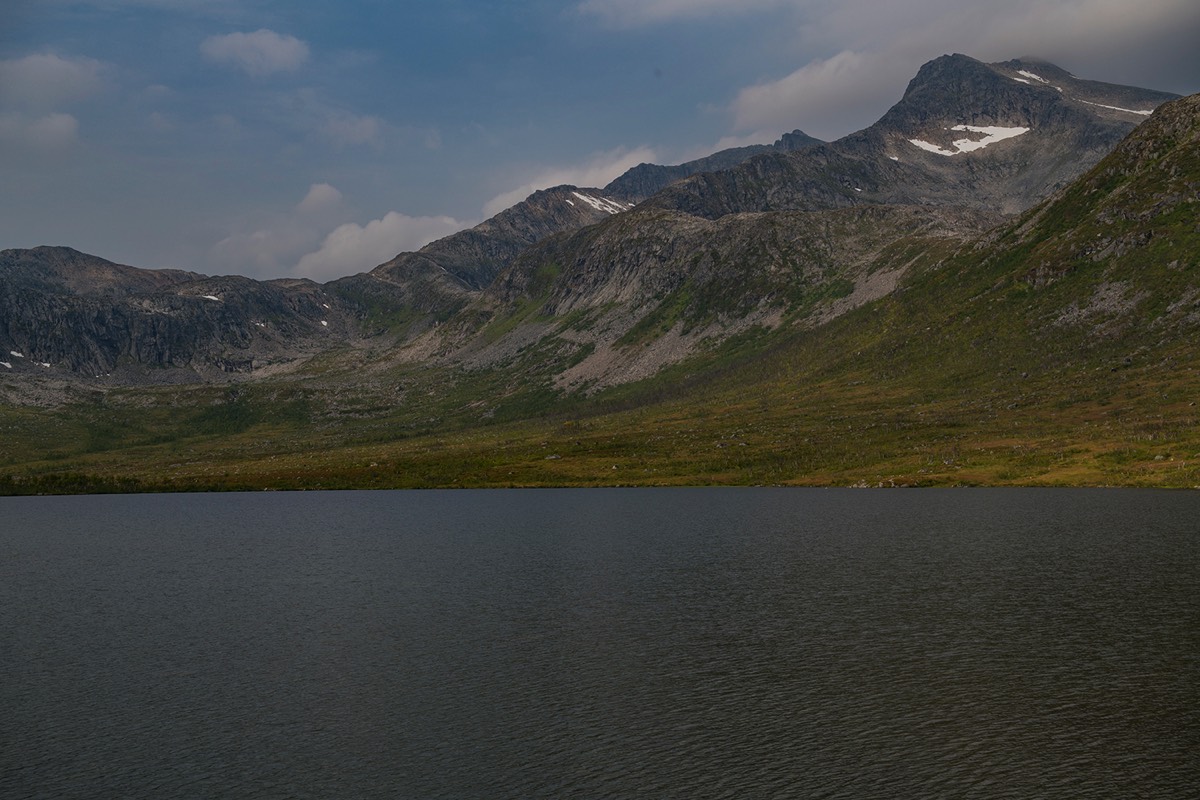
[[796, 238], [621, 300], [1057, 348], [609, 292], [437, 280], [965, 133], [640, 182], [67, 311], [91, 317], [868, 343]]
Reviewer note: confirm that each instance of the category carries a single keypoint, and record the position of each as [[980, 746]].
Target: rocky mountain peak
[[957, 89], [472, 258], [1025, 92], [443, 276], [965, 133], [796, 140]]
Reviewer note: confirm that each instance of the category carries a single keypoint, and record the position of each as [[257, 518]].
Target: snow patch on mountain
[[1034, 76], [1118, 108], [992, 134], [603, 203]]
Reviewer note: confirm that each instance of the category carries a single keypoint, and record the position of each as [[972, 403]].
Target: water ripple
[[667, 644]]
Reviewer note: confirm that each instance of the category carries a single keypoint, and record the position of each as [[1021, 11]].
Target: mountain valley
[[995, 283]]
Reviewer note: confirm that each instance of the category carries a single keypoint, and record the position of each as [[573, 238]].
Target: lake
[[660, 643]]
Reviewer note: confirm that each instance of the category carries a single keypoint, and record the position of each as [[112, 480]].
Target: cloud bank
[[258, 54], [308, 241], [47, 132], [354, 248], [47, 81], [274, 247], [827, 98], [321, 197], [635, 13]]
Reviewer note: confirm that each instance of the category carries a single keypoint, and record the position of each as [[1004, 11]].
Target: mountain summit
[[965, 134]]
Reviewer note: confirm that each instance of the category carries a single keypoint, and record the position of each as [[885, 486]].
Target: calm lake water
[[689, 643]]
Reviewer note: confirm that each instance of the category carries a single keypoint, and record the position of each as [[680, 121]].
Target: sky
[[296, 138]]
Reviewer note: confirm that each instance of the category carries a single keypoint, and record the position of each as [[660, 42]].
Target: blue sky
[[320, 138]]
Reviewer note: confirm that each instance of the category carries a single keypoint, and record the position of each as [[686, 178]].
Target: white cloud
[[46, 81], [265, 253], [321, 197], [277, 243], [821, 97], [597, 171], [292, 243], [47, 132], [263, 52], [633, 13], [353, 248]]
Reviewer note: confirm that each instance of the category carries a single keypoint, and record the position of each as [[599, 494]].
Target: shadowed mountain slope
[[68, 311]]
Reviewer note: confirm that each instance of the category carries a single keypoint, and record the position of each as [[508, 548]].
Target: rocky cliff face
[[62, 310]]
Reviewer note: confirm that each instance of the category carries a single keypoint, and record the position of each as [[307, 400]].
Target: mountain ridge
[[880, 163], [643, 181], [1055, 348], [650, 272]]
